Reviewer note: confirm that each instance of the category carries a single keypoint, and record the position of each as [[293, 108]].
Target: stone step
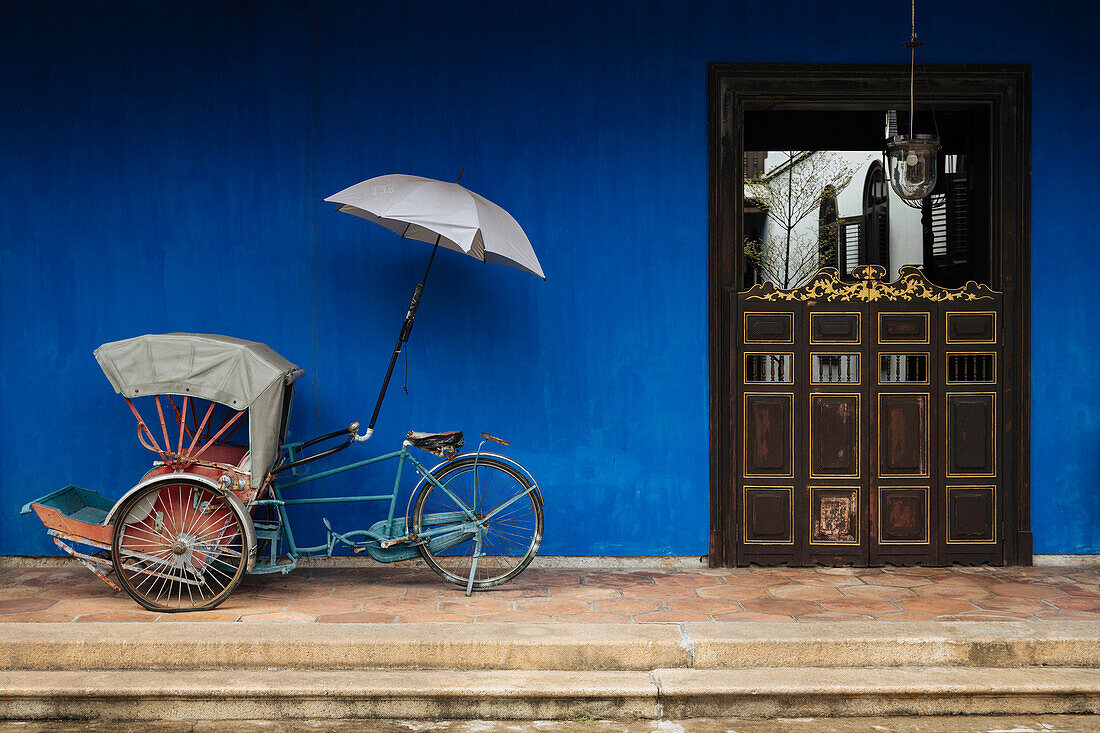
[[237, 694], [862, 691], [212, 646], [548, 646]]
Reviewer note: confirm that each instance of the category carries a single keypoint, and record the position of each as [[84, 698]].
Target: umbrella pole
[[402, 338]]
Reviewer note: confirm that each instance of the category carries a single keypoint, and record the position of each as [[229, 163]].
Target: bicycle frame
[[388, 540]]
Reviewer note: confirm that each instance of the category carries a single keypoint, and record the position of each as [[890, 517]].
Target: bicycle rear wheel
[[511, 537]]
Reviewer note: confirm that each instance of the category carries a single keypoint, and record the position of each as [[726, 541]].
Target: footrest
[[268, 530], [75, 512]]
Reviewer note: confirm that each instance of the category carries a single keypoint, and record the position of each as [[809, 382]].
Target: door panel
[[971, 448], [769, 379], [769, 435], [903, 328], [768, 328], [831, 425], [903, 435], [835, 328], [834, 436], [971, 328], [835, 515], [769, 515], [904, 517], [971, 514]]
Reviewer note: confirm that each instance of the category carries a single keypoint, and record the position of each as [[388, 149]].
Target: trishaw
[[213, 507]]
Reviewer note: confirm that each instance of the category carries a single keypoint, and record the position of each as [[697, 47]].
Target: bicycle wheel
[[511, 537], [179, 546]]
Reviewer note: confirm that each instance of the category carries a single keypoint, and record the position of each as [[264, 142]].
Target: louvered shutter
[[957, 216], [851, 244]]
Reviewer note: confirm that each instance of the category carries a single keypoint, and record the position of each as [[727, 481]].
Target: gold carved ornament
[[826, 286]]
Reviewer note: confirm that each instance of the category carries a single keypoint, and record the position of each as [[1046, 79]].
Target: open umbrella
[[442, 213]]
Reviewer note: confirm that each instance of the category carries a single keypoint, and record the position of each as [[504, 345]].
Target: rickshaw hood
[[234, 372]]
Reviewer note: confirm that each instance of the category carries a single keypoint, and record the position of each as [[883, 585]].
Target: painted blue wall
[[163, 166]]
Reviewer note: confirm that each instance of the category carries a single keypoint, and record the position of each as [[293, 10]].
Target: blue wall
[[163, 166]]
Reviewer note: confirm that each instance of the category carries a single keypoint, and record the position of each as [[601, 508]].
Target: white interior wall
[[906, 235]]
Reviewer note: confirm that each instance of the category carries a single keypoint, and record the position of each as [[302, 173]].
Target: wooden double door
[[869, 428]]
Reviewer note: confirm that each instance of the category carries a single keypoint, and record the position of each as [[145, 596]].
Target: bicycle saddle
[[445, 445]]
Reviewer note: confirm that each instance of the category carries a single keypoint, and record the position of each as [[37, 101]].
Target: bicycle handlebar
[[352, 433]]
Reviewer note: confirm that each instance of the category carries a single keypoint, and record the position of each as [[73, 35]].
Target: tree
[[792, 249]]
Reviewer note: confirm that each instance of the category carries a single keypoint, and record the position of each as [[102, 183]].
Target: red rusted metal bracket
[[97, 565]]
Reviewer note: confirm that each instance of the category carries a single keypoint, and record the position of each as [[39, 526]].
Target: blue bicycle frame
[[388, 540]]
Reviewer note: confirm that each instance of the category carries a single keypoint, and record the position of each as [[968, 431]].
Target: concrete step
[[550, 646], [218, 671], [237, 694], [212, 646], [861, 691]]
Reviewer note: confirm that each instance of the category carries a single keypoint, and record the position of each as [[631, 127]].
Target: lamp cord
[[912, 60], [912, 46]]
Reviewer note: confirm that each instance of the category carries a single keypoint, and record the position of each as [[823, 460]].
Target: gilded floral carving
[[827, 287]]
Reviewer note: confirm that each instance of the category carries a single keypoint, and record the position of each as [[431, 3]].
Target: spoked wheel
[[179, 546], [510, 537]]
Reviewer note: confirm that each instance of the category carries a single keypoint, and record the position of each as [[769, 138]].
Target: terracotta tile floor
[[396, 595]]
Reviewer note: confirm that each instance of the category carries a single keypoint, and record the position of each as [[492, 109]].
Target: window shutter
[[882, 246], [754, 165], [957, 214], [850, 234], [946, 221], [934, 219]]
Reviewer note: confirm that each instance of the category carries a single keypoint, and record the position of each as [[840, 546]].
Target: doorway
[[869, 398]]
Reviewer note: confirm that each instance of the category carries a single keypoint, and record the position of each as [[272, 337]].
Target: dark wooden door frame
[[1006, 89]]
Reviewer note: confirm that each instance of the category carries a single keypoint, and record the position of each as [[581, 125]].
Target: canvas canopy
[[237, 373]]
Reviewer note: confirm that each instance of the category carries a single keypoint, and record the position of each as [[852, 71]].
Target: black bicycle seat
[[444, 445]]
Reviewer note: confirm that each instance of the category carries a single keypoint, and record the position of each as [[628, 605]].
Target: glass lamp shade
[[913, 164]]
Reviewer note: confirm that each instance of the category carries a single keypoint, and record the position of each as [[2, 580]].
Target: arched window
[[828, 238], [876, 218]]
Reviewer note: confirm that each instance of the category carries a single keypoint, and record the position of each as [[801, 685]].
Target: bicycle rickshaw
[[214, 505]]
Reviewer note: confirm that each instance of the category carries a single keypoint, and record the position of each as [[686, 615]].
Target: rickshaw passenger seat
[[444, 445], [233, 455]]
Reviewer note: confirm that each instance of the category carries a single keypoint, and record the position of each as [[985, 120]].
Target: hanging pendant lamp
[[912, 158]]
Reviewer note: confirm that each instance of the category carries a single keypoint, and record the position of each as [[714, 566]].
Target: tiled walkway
[[396, 595]]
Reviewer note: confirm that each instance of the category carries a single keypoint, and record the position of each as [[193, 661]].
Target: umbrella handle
[[406, 329]]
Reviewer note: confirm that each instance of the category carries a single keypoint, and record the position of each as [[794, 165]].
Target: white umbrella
[[444, 213]]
